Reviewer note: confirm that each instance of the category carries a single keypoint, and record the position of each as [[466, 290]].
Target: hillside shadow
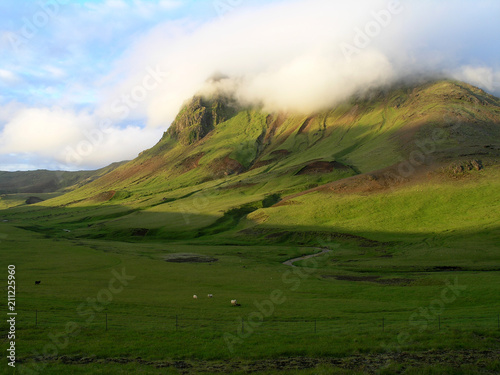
[[119, 223]]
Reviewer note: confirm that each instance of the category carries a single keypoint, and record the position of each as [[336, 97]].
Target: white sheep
[[210, 296], [234, 302], [195, 296]]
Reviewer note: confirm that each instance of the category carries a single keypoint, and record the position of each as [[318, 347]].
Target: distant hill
[[44, 181]]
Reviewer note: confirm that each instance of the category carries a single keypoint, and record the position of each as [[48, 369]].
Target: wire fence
[[119, 320]]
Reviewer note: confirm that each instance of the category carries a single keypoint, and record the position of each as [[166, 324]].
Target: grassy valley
[[398, 193]]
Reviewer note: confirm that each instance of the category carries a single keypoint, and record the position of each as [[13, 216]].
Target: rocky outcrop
[[199, 117]]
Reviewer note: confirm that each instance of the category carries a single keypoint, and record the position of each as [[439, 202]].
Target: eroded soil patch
[[367, 363], [189, 258]]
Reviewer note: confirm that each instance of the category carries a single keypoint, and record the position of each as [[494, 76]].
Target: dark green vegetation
[[403, 188]]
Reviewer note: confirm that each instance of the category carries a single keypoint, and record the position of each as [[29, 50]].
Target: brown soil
[[396, 176], [305, 125], [190, 163], [281, 138], [140, 171], [318, 167], [365, 363], [373, 182], [33, 200], [140, 232], [274, 122], [189, 258], [103, 197], [225, 167], [281, 153]]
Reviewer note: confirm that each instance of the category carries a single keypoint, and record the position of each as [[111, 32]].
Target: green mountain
[[230, 157], [44, 181], [219, 166], [394, 196]]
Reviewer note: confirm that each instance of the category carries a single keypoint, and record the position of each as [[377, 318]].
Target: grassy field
[[419, 278], [312, 315], [406, 281]]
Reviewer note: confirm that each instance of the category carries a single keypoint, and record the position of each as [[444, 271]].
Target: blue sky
[[77, 43], [87, 83]]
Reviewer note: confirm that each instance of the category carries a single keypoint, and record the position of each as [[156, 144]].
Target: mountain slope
[[362, 136], [218, 167]]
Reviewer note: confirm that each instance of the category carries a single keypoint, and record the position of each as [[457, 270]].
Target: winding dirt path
[[291, 262]]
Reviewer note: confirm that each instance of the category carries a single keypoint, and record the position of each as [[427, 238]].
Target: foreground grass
[[381, 291], [316, 317]]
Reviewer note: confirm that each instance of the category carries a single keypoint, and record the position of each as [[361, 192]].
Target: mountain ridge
[[365, 135], [216, 144]]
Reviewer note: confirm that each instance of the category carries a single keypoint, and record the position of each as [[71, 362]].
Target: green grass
[[366, 135], [426, 207], [71, 272], [382, 291], [14, 200], [347, 314]]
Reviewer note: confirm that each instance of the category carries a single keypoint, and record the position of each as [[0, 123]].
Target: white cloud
[[9, 110], [286, 55], [292, 55], [293, 88], [481, 76], [54, 72], [290, 61], [8, 77], [74, 140], [102, 146], [40, 130], [170, 4]]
